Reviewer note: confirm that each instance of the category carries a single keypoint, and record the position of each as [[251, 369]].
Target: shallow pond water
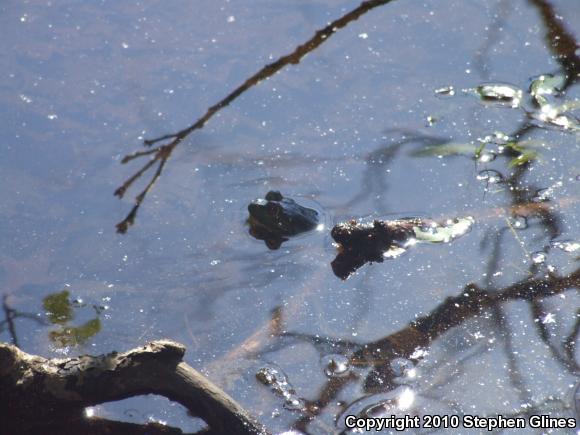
[[356, 129]]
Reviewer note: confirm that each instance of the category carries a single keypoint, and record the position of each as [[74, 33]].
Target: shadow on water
[[489, 303], [400, 369], [160, 154]]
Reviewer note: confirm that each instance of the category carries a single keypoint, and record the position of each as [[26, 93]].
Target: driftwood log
[[38, 393]]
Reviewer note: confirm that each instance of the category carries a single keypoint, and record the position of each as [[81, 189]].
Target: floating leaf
[[525, 157], [75, 335], [490, 176], [502, 94], [479, 150], [444, 233], [546, 84], [446, 149], [447, 91], [58, 307]]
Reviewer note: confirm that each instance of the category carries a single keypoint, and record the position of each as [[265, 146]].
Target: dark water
[[83, 83]]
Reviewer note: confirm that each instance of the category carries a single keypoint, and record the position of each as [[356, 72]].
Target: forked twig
[[161, 153]]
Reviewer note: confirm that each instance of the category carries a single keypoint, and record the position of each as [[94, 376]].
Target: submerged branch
[[38, 392], [162, 152]]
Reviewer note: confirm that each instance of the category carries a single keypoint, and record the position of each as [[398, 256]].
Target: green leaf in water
[[546, 84], [444, 233], [525, 157], [75, 335], [58, 307], [446, 149], [479, 150]]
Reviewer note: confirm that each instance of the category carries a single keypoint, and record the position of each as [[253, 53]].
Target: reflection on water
[[485, 325], [362, 242]]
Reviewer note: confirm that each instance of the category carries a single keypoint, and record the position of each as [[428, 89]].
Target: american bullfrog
[[276, 218]]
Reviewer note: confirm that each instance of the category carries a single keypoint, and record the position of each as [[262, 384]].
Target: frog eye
[[273, 195]]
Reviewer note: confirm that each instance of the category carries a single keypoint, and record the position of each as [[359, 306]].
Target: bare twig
[[162, 152]]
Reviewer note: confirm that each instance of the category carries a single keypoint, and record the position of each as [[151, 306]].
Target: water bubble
[[539, 257], [519, 222], [403, 369], [486, 157], [363, 35], [497, 137], [335, 365], [490, 176]]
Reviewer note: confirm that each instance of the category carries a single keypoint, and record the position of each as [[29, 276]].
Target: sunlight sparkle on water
[[394, 252], [406, 399], [549, 318]]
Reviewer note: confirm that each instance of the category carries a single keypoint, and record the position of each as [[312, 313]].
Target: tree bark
[[36, 391]]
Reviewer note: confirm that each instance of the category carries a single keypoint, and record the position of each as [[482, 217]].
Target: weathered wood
[[36, 391]]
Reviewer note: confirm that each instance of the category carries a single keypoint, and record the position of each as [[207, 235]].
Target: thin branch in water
[[570, 342], [10, 315], [163, 152], [138, 154], [124, 225]]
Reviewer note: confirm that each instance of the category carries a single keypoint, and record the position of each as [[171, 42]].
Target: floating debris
[[501, 94], [335, 365], [566, 245], [446, 149], [518, 222], [431, 120], [552, 115], [446, 91], [546, 84], [449, 231], [276, 379]]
